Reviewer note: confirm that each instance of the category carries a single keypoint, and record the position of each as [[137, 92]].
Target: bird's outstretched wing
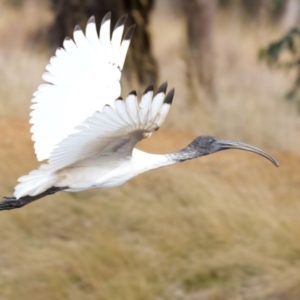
[[81, 78], [116, 129]]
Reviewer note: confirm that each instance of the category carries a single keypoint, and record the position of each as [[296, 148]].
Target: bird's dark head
[[204, 145]]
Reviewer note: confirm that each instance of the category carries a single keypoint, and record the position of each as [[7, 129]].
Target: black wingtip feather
[[129, 33], [148, 89], [67, 38], [169, 97], [132, 93], [77, 28], [162, 88], [121, 21], [119, 98], [91, 20], [106, 18]]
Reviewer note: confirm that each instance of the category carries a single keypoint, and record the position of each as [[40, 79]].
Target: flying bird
[[86, 131]]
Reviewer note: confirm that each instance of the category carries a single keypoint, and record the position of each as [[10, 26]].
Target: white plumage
[[82, 77], [84, 129], [79, 123]]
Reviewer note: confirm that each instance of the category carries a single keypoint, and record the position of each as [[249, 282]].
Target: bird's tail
[[36, 182]]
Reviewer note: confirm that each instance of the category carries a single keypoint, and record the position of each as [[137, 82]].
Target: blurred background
[[225, 226]]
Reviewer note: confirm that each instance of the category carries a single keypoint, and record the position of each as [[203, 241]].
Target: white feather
[[103, 129], [81, 79]]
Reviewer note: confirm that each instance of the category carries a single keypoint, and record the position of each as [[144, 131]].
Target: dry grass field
[[223, 227]]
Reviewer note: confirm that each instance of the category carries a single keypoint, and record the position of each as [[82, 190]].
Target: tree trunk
[[291, 17], [140, 55], [200, 26], [263, 13]]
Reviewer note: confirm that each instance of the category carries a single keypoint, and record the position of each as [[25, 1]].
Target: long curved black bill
[[226, 144]]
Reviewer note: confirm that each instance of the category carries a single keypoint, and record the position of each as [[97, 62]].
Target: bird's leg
[[13, 202]]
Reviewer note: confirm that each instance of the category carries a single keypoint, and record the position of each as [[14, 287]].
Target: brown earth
[[218, 227]]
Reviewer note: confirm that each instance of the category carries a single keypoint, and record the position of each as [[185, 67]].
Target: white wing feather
[[112, 130], [81, 79]]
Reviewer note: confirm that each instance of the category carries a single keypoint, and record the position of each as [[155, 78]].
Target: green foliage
[[14, 3], [277, 7], [208, 278], [275, 56], [251, 8], [219, 276]]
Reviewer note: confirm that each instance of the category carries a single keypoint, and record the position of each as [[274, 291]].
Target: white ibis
[[86, 131]]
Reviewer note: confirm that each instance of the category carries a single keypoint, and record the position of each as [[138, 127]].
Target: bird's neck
[[147, 161], [191, 151]]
